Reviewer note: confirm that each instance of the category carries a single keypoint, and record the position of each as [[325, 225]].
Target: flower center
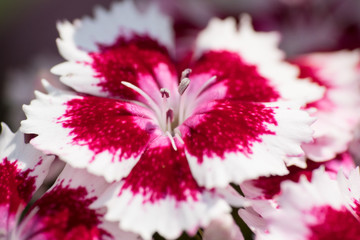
[[168, 118]]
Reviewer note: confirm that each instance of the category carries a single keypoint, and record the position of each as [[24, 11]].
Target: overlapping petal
[[317, 207], [22, 171], [65, 211], [269, 187], [337, 114], [223, 228]]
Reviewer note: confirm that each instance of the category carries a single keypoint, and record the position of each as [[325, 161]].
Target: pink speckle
[[162, 172], [242, 80], [334, 224], [64, 213], [229, 126], [16, 186], [106, 125], [128, 61]]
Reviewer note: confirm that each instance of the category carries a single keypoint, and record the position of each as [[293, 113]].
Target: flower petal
[[22, 171], [260, 59], [160, 195], [337, 112], [65, 211], [350, 188], [120, 45], [231, 141], [269, 187], [317, 207], [223, 227], [90, 132]]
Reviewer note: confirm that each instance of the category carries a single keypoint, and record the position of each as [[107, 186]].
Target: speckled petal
[[90, 132]]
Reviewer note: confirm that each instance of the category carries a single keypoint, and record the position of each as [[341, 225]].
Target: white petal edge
[[123, 19], [168, 216], [13, 147]]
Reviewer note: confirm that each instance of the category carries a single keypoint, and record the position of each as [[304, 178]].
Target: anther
[[184, 81], [185, 73], [183, 85], [165, 93]]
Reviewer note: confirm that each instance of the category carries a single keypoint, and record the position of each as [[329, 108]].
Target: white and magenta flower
[[165, 137], [262, 194], [317, 209], [64, 212], [337, 111], [22, 171], [269, 187]]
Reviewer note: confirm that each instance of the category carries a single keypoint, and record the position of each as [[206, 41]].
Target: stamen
[[184, 83], [177, 136], [165, 93], [151, 102], [206, 84], [24, 223], [186, 73], [171, 140], [191, 98]]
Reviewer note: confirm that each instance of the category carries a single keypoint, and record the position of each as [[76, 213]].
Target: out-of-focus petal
[[337, 111], [224, 227], [22, 171], [65, 211], [318, 209], [269, 187]]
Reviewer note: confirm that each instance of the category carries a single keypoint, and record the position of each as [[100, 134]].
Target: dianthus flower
[[322, 208], [167, 139], [336, 112], [64, 212]]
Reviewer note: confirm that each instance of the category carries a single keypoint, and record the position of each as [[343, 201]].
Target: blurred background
[[28, 33]]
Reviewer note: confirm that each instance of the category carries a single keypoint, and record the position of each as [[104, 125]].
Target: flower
[[318, 208], [336, 112], [269, 187], [63, 212], [167, 142], [22, 170], [262, 194]]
